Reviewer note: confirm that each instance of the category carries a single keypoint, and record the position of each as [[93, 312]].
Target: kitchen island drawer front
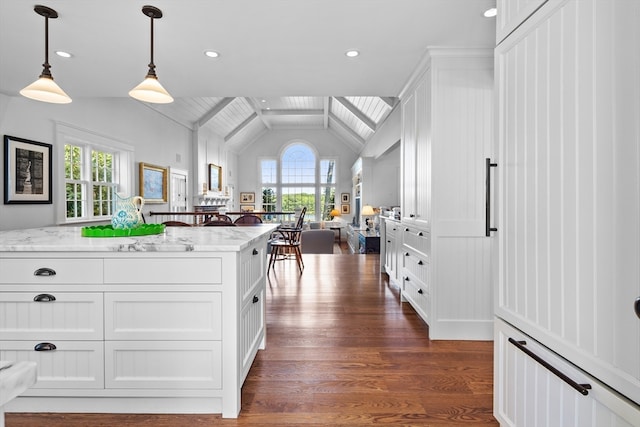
[[51, 316], [163, 316], [163, 364], [417, 239], [252, 268], [61, 364], [50, 271], [252, 330], [164, 270]]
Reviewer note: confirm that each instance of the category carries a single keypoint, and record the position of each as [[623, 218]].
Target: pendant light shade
[[150, 90], [45, 89]]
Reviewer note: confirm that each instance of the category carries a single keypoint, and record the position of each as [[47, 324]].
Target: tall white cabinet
[[447, 116], [568, 87]]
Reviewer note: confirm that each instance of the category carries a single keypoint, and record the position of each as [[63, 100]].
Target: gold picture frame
[[215, 177], [153, 182]]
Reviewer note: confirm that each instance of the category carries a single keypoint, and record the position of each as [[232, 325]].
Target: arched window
[[298, 178]]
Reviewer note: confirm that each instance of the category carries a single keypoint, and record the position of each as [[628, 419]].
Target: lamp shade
[[367, 210], [150, 90], [334, 212], [46, 90]]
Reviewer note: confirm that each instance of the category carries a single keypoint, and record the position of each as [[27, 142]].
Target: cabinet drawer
[[418, 295], [529, 394], [251, 329], [72, 364], [50, 316], [163, 364], [50, 271], [163, 270], [163, 315], [418, 240], [252, 268], [417, 265]]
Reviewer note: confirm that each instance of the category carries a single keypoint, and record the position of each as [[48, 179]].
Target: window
[[94, 169], [297, 180]]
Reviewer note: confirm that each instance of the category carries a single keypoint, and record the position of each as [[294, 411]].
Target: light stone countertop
[[174, 239]]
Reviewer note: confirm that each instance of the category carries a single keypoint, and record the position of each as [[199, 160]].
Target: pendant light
[[150, 90], [45, 89]]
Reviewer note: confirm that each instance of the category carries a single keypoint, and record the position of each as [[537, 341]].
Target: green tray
[[109, 231]]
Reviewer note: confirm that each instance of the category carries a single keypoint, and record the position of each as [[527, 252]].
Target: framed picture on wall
[[215, 177], [247, 198], [346, 209], [345, 198], [247, 208], [27, 171], [153, 183]]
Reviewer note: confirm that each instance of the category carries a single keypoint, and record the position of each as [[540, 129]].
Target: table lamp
[[367, 212], [334, 213]]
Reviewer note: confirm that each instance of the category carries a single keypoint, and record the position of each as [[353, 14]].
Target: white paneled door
[[569, 96]]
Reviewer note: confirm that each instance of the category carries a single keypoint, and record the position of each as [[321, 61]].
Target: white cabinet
[[178, 329], [532, 391], [392, 239], [569, 236], [447, 117]]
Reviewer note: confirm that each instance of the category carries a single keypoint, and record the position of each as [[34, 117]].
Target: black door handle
[[636, 307], [487, 219]]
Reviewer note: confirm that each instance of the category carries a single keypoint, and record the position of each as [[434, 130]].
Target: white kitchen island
[[167, 323]]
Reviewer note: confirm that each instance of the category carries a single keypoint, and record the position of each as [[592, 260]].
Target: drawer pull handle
[[406, 229], [487, 219], [406, 278], [420, 291], [255, 299], [420, 234], [44, 298], [420, 262], [636, 307], [582, 388], [406, 254], [388, 241], [45, 346], [255, 251], [44, 271], [412, 215]]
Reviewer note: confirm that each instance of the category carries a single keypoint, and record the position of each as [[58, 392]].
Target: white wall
[[387, 136], [326, 144], [156, 140]]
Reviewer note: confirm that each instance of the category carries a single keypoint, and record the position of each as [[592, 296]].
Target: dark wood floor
[[341, 351]]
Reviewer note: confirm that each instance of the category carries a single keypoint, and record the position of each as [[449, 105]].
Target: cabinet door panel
[[571, 187]]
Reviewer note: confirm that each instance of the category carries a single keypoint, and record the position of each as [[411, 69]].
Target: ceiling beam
[[285, 112], [389, 100], [354, 110], [347, 128], [215, 110], [240, 126], [326, 106], [254, 104]]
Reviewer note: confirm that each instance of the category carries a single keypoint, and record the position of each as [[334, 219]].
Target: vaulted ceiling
[[281, 64]]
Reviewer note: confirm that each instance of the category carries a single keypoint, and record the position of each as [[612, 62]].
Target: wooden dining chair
[[176, 224], [248, 219]]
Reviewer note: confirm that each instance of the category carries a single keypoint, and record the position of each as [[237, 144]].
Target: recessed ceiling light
[[211, 53], [352, 53], [63, 54], [263, 100], [490, 13]]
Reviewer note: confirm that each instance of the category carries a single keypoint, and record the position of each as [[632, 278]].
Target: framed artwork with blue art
[[153, 183]]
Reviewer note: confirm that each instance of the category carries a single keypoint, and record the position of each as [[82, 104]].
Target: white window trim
[[69, 134]]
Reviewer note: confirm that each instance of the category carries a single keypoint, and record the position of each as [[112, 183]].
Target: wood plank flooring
[[341, 351]]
